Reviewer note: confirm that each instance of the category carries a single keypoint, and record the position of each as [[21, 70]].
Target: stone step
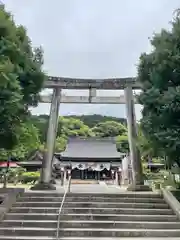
[[92, 210], [92, 204], [93, 198], [119, 217], [88, 232], [104, 195], [79, 238], [96, 217], [91, 224]]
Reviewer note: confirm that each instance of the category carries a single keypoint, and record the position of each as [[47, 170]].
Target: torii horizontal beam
[[86, 99], [78, 83]]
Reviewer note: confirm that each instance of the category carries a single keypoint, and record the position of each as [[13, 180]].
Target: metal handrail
[[61, 206]]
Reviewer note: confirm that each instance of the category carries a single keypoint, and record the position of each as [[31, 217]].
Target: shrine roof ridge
[[86, 83]]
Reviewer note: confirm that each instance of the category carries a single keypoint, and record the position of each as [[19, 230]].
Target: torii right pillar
[[137, 174]]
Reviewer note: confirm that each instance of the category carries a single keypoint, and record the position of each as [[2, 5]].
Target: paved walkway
[[102, 187], [93, 188]]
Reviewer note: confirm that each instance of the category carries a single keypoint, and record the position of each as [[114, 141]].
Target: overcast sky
[[92, 38]]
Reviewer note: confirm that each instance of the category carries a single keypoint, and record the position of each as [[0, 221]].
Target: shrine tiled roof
[[91, 148]]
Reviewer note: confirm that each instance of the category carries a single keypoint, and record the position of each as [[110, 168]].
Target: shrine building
[[90, 158]]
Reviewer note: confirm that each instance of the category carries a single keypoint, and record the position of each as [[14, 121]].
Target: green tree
[[21, 78], [41, 123], [79, 125], [109, 129], [60, 144], [70, 127], [122, 144], [159, 75], [27, 141], [146, 147]]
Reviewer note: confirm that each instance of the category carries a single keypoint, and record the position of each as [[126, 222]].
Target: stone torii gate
[[59, 83]]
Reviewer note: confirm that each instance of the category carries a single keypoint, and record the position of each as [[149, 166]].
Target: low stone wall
[[171, 201], [9, 196]]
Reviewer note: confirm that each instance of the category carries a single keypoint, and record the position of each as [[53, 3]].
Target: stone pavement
[[88, 188], [94, 188], [102, 187]]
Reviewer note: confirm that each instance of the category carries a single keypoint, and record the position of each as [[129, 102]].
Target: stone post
[[46, 171], [65, 176], [62, 177], [124, 172], [99, 176], [116, 178], [69, 180], [82, 174], [138, 182], [119, 178]]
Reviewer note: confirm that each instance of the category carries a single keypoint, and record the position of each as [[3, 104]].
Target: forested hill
[[89, 120], [92, 120]]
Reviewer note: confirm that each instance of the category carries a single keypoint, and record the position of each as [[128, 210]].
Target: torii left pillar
[[46, 171]]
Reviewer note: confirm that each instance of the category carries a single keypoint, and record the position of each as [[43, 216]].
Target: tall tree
[[146, 147], [159, 75], [21, 78], [27, 141], [60, 144], [109, 129], [71, 127], [122, 144]]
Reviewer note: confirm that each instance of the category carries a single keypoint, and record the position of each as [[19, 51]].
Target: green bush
[[13, 174], [30, 177]]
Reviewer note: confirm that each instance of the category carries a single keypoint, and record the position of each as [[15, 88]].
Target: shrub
[[30, 177], [13, 175]]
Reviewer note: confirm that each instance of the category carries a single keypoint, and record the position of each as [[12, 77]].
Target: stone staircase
[[90, 217]]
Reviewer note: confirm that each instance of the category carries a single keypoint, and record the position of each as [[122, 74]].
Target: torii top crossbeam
[[79, 83]]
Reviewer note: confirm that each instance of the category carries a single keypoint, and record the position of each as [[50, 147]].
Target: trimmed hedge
[[30, 177]]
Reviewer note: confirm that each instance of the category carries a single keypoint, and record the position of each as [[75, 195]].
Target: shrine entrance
[[57, 84], [84, 174]]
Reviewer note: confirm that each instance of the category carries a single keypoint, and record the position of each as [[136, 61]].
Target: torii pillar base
[[41, 186], [138, 188]]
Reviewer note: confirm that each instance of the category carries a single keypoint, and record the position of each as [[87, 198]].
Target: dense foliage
[[122, 143], [27, 141], [21, 78], [109, 129], [159, 74], [90, 121]]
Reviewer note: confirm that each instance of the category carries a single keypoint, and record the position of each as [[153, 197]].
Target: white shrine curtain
[[93, 166]]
